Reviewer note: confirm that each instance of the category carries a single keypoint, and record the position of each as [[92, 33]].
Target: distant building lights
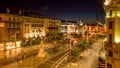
[[33, 39], [40, 35], [81, 24], [107, 2], [36, 36], [64, 25], [76, 31], [1, 44], [31, 35], [18, 42], [27, 40], [27, 36], [118, 15], [117, 40], [10, 43], [43, 34]]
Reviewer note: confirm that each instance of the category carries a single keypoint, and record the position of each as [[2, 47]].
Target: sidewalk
[[7, 57], [33, 61], [16, 51], [87, 54], [83, 54]]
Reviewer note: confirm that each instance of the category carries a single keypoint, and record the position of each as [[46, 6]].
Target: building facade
[[17, 27], [93, 28], [112, 45]]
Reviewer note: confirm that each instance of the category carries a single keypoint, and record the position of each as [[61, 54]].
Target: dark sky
[[61, 9]]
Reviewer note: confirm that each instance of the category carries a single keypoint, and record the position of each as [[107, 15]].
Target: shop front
[[9, 45]]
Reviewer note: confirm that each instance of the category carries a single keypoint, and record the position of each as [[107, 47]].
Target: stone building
[[25, 26], [112, 45]]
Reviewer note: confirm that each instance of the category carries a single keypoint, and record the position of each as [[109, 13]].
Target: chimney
[[8, 10], [20, 12]]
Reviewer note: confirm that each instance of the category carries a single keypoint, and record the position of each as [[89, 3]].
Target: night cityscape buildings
[[112, 9], [16, 27], [30, 29]]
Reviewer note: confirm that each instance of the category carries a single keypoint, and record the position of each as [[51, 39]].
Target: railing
[[56, 63], [62, 59]]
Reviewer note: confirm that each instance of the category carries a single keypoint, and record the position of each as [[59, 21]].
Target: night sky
[[62, 9]]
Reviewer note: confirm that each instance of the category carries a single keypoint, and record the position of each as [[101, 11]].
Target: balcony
[[108, 45]]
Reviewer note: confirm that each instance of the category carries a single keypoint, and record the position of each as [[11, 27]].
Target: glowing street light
[[107, 2]]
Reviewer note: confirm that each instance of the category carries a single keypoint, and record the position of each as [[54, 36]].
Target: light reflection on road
[[10, 53]]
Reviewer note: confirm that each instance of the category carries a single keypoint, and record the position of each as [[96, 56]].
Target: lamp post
[[70, 52], [31, 39], [16, 37]]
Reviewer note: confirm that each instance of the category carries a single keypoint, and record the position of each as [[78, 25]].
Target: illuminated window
[[109, 65], [110, 53], [110, 25]]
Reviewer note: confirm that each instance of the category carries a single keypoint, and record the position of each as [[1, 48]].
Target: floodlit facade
[[10, 31], [112, 46], [17, 27], [94, 28]]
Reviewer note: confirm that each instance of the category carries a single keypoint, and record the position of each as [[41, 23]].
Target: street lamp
[[70, 51], [16, 37], [31, 39]]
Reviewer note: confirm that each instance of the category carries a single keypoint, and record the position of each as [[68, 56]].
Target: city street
[[14, 52], [90, 59], [26, 52], [32, 61]]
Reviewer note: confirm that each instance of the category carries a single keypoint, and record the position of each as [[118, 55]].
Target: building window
[[13, 24], [25, 25], [18, 25], [110, 53], [13, 19], [27, 20], [18, 19], [9, 18], [0, 18], [28, 25], [9, 25], [110, 38], [110, 25], [110, 13], [109, 65]]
